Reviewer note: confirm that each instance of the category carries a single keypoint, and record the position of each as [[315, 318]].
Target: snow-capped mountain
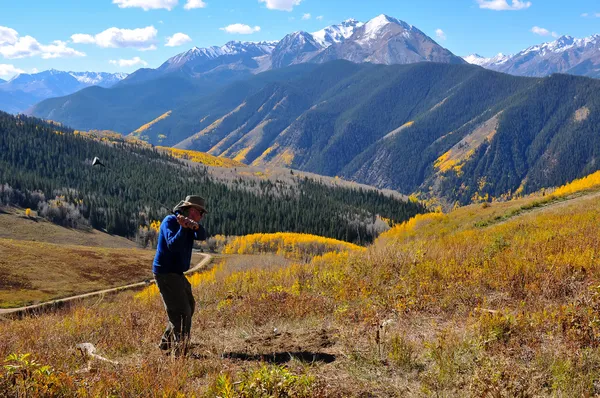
[[564, 55], [387, 40], [383, 39], [336, 33], [198, 55], [295, 48], [24, 90]]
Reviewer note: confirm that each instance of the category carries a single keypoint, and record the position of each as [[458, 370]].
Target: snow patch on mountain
[[477, 59], [336, 33], [98, 78], [373, 28]]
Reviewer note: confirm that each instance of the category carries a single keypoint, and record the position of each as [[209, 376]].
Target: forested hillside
[[50, 165], [458, 132]]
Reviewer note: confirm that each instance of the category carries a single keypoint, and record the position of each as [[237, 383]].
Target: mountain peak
[[350, 22], [336, 33]]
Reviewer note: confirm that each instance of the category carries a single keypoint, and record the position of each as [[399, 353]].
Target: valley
[[384, 217]]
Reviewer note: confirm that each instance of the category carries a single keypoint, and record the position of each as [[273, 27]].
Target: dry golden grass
[[37, 271], [40, 261], [465, 304], [14, 224]]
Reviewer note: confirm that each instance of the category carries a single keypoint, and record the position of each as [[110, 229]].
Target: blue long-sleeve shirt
[[174, 250]]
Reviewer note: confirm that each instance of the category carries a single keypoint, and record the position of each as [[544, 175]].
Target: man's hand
[[186, 222]]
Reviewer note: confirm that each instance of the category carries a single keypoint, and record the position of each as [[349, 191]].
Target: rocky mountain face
[[564, 55], [24, 90]]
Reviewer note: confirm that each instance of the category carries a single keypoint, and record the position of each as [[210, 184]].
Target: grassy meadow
[[40, 261], [490, 300]]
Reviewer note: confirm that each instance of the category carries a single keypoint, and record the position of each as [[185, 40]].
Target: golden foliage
[[138, 132], [294, 245], [241, 155], [411, 226], [201, 157], [155, 226], [287, 157], [582, 184]]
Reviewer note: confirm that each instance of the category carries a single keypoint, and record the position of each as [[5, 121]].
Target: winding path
[[58, 302]]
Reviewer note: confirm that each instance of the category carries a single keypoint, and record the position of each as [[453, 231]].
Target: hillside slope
[[51, 166], [496, 300], [451, 131]]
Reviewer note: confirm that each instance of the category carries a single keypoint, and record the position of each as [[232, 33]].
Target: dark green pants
[[177, 296]]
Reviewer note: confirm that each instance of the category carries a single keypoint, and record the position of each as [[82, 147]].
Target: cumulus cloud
[[591, 15], [191, 4], [241, 29], [8, 35], [127, 63], [142, 38], [543, 32], [13, 46], [8, 70], [502, 5], [320, 17], [440, 34], [306, 16], [147, 4], [177, 40], [281, 5]]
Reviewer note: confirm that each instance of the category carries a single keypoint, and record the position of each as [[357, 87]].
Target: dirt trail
[[7, 311]]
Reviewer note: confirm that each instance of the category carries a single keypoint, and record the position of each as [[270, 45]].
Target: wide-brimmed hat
[[192, 201]]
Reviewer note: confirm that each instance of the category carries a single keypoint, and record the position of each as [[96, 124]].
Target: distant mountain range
[[148, 93], [564, 55], [25, 90], [383, 40]]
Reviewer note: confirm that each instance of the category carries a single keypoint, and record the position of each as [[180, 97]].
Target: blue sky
[[124, 35]]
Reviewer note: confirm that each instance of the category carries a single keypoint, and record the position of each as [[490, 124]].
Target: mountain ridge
[[566, 54], [26, 89]]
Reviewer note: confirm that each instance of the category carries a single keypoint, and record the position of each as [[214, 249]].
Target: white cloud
[[8, 35], [191, 4], [502, 5], [8, 70], [177, 40], [281, 5], [147, 4], [543, 32], [142, 39], [440, 34], [320, 17], [306, 16], [13, 46], [127, 63], [34, 70], [591, 15], [81, 38], [241, 29]]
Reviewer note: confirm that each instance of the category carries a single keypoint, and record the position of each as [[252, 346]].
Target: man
[[173, 255]]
